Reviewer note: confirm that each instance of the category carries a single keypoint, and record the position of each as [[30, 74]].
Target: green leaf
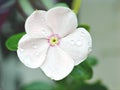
[[62, 4], [82, 72], [12, 42], [37, 86], [76, 5], [26, 6], [60, 87], [91, 60], [48, 3], [87, 27], [94, 86]]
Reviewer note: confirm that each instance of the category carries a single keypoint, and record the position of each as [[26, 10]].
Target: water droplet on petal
[[89, 49], [44, 33], [82, 33], [77, 58], [79, 42], [89, 44], [42, 29], [21, 49], [34, 46], [37, 54], [72, 42]]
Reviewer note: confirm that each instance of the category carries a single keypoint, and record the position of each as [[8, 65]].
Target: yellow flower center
[[53, 41]]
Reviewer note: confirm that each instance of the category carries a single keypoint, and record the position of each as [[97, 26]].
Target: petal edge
[[31, 51], [57, 69], [78, 45]]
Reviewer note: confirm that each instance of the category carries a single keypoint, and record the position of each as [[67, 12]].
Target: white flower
[[53, 43]]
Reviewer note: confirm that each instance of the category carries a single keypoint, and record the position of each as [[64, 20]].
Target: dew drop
[[34, 46], [72, 42], [77, 58], [37, 54], [21, 49], [42, 19], [82, 33], [44, 33], [89, 49], [89, 44], [79, 42]]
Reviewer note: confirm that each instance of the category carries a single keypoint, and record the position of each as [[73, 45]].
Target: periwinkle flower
[[53, 42]]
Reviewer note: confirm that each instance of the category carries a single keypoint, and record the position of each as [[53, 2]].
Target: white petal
[[58, 64], [77, 45], [62, 20], [35, 25], [32, 52]]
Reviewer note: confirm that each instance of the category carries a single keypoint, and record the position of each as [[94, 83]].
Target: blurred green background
[[103, 16]]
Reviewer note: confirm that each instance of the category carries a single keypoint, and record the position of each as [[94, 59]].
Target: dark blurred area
[[13, 14]]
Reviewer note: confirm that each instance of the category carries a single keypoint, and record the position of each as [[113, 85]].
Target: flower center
[[53, 40]]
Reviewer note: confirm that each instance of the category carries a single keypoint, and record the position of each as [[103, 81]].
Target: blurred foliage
[[37, 86], [82, 72], [48, 3], [12, 42], [74, 81], [94, 86], [62, 4], [91, 60], [26, 6], [81, 86], [87, 27], [76, 6]]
